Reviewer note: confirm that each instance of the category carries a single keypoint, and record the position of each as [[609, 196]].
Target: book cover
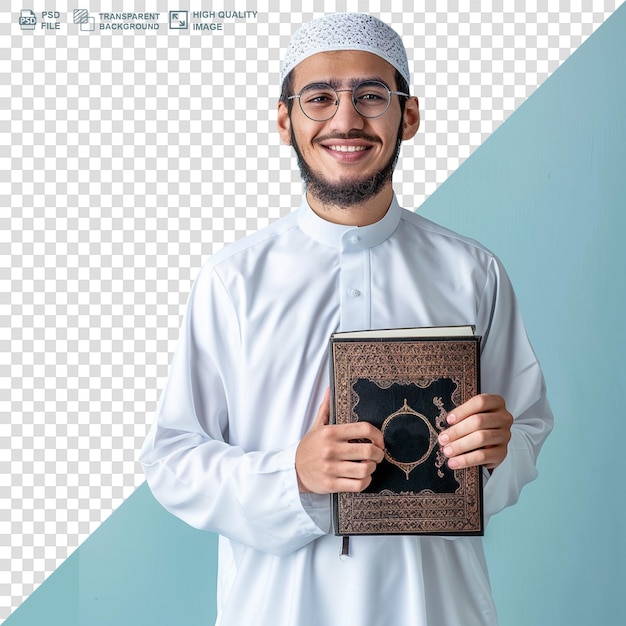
[[405, 382]]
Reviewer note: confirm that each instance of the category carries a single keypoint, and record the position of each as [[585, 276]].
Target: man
[[241, 443]]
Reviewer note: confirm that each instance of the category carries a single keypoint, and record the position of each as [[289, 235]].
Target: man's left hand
[[478, 434]]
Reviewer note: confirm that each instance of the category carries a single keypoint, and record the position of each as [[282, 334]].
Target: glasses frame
[[390, 92]]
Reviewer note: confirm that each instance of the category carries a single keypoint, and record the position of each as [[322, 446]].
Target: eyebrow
[[351, 84]]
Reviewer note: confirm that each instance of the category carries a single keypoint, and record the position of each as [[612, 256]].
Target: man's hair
[[287, 90]]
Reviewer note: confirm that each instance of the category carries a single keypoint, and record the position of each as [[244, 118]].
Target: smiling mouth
[[343, 148]]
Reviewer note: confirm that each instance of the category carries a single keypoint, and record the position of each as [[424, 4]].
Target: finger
[[489, 457], [352, 477], [362, 432], [476, 440], [481, 422], [365, 452], [323, 413], [356, 471], [333, 447], [482, 403]]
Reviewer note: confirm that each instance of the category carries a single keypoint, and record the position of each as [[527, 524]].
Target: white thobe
[[249, 373]]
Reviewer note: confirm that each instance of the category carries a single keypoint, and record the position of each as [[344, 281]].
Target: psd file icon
[[28, 20]]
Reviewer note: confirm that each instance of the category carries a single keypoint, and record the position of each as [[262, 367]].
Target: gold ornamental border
[[408, 362]]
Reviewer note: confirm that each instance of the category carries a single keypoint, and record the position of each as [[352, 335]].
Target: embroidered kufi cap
[[346, 31]]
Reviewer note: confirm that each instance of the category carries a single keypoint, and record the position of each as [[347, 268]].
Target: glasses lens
[[318, 102], [371, 99]]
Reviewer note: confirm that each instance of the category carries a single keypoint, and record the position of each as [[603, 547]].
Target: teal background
[[546, 192]]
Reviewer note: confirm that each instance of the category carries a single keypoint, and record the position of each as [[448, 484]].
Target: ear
[[284, 123], [411, 122]]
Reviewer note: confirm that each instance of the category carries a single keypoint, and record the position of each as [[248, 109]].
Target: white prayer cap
[[346, 31]]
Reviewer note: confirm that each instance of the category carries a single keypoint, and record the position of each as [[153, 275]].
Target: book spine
[[333, 420]]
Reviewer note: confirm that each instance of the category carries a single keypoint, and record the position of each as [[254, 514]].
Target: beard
[[350, 191]]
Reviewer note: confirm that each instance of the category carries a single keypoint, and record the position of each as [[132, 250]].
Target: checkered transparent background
[[126, 159]]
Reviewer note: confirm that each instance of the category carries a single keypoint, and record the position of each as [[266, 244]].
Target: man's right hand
[[334, 458]]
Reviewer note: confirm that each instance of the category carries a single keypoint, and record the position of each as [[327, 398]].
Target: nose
[[346, 117]]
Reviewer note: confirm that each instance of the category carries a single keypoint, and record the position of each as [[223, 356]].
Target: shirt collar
[[355, 237]]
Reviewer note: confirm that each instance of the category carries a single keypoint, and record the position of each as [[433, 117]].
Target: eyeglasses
[[319, 101]]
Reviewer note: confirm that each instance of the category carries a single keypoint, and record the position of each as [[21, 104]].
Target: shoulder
[[436, 232], [255, 243], [237, 266]]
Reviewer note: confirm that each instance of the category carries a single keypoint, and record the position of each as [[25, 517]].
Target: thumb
[[323, 413]]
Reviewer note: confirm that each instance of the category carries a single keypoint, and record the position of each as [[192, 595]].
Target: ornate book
[[405, 382]]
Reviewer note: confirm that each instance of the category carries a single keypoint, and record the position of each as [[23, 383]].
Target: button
[[354, 239], [355, 293]]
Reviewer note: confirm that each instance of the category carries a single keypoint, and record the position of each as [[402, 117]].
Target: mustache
[[353, 134]]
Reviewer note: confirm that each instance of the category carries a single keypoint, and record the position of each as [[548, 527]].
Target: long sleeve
[[510, 369], [247, 495]]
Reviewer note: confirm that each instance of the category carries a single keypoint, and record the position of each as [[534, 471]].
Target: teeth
[[347, 148]]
